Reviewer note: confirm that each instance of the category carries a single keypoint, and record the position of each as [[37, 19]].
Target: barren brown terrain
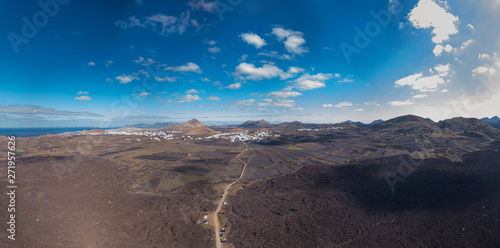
[[405, 182], [91, 207], [440, 204]]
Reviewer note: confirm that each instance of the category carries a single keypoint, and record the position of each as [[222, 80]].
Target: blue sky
[[109, 63]]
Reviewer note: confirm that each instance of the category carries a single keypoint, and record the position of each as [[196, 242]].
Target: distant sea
[[37, 131]]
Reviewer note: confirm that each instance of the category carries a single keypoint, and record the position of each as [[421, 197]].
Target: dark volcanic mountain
[[465, 124], [492, 120], [256, 124], [357, 123], [376, 121], [192, 127], [406, 124], [291, 124], [191, 124]]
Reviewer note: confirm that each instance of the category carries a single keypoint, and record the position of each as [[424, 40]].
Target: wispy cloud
[[164, 25], [143, 94], [343, 104], [125, 79], [164, 79], [278, 103], [234, 86], [192, 91], [214, 98], [38, 110], [267, 71], [83, 98], [189, 67], [213, 49], [190, 98], [400, 103]]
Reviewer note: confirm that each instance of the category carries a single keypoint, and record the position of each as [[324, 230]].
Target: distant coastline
[[37, 131]]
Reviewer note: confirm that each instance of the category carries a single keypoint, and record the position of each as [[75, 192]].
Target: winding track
[[218, 244]]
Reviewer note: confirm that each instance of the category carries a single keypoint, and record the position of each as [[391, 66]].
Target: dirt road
[[218, 244]]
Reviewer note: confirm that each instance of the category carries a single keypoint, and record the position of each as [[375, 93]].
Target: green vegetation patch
[[294, 148]]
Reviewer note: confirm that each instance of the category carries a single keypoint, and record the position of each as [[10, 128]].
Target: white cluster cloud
[[267, 71], [329, 105], [284, 94], [442, 70], [192, 91], [419, 96], [373, 103], [253, 39], [214, 98], [309, 82], [400, 103], [464, 45], [83, 98], [343, 104], [247, 102], [347, 79], [142, 94], [293, 40], [438, 50], [484, 56], [428, 14], [189, 67], [202, 5], [426, 84], [491, 68], [125, 79], [234, 86], [274, 54], [145, 61], [213, 49], [190, 98], [423, 84], [210, 42], [484, 70]]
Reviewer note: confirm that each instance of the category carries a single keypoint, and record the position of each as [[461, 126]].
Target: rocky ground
[[439, 204], [90, 206]]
